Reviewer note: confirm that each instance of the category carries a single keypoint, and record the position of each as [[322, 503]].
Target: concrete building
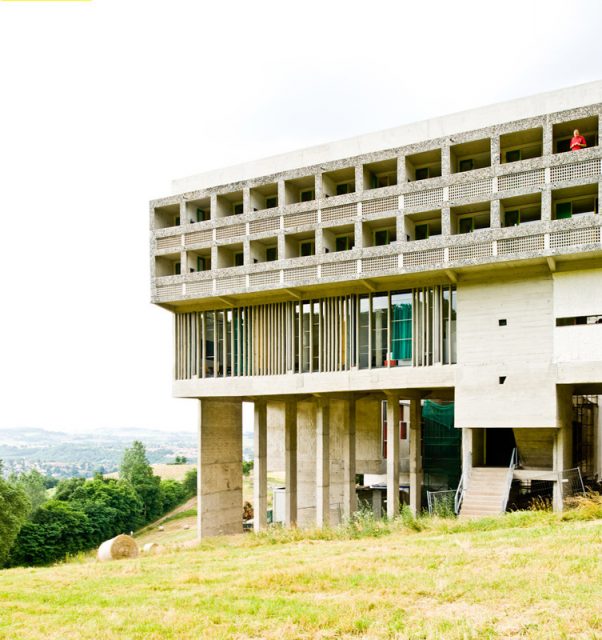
[[347, 288]]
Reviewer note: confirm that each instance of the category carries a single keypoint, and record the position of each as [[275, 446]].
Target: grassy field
[[523, 575]]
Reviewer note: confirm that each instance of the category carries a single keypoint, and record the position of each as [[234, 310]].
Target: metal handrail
[[459, 493], [509, 477]]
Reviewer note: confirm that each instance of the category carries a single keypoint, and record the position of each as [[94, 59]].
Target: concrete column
[[415, 456], [562, 443], [495, 150], [445, 160], [290, 462], [359, 179], [466, 453], [246, 200], [496, 221], [393, 418], [322, 463], [349, 495], [402, 174], [546, 203], [446, 222], [220, 467], [260, 467], [548, 138]]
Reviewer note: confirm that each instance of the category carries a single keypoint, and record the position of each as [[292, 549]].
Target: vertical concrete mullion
[[349, 495], [415, 456], [323, 463], [393, 418], [290, 463], [260, 487]]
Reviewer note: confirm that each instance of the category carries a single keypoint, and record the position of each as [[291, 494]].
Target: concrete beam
[[260, 467]]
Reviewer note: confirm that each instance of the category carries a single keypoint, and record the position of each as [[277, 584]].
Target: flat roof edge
[[441, 126]]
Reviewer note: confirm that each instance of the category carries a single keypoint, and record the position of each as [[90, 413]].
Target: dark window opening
[[502, 322]]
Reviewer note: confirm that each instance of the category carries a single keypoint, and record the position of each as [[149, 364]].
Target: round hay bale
[[186, 526], [161, 528], [121, 546], [151, 548]]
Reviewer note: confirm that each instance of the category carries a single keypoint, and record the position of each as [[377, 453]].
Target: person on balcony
[[577, 141]]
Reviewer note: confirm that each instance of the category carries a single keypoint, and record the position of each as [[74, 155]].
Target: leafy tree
[[247, 467], [55, 530], [14, 507], [34, 485], [65, 488], [189, 483], [136, 470], [172, 494]]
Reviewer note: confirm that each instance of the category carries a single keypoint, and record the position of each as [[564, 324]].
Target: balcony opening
[[520, 210], [231, 255], [264, 197], [300, 190], [300, 245], [421, 226], [198, 211], [198, 261], [167, 216], [424, 165], [471, 217], [379, 233], [340, 238], [338, 183], [470, 155], [573, 201], [265, 250], [168, 265], [563, 133], [380, 174], [229, 204], [521, 145]]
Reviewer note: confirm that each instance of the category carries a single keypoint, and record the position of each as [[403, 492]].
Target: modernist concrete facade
[[457, 259]]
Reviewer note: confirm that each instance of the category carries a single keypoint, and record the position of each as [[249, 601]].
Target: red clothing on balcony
[[578, 142]]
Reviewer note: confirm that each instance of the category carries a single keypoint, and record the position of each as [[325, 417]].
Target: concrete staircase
[[487, 492]]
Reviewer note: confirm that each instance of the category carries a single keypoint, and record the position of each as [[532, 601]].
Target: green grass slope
[[529, 575]]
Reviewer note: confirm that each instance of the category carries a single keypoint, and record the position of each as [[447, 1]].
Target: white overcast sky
[[103, 103]]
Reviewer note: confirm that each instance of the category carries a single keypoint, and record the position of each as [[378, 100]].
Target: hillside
[[527, 575]]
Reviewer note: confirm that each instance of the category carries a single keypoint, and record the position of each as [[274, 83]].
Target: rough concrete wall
[[275, 419], [306, 464], [220, 445], [338, 429], [535, 447], [521, 351], [369, 438]]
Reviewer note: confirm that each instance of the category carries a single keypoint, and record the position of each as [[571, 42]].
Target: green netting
[[441, 446]]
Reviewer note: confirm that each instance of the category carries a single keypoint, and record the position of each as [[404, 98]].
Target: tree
[[55, 530], [34, 485], [14, 507], [136, 470], [189, 483], [172, 494]]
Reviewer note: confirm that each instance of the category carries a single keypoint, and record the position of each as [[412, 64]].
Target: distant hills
[[66, 455]]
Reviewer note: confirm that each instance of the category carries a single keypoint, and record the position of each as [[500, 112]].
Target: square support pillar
[[562, 443], [290, 463], [415, 456], [349, 494], [260, 467], [393, 418], [219, 479], [322, 463]]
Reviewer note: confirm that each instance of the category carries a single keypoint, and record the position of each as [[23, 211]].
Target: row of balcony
[[340, 237], [545, 239], [461, 158]]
